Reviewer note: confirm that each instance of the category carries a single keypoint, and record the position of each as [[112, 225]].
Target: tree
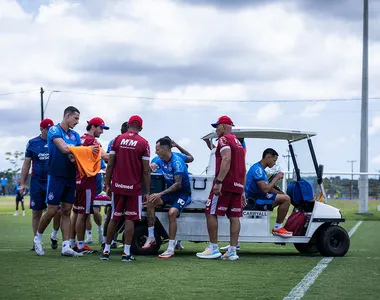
[[15, 159]]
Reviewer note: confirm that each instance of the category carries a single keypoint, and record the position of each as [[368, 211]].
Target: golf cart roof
[[266, 133]]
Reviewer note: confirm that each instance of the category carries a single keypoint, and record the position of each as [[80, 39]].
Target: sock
[[100, 228], [72, 243], [104, 239], [277, 226], [89, 234], [54, 234], [65, 244], [171, 245], [151, 232], [231, 249], [214, 246], [80, 244], [127, 249], [107, 248], [39, 236]]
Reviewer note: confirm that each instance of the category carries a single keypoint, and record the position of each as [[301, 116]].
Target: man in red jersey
[[227, 195], [128, 166], [86, 188]]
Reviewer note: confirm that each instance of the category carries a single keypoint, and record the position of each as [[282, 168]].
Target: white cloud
[[313, 110], [267, 114], [375, 126]]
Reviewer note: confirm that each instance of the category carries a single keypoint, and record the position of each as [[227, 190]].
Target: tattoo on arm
[[175, 187]]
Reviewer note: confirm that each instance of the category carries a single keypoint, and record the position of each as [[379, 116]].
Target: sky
[[180, 64]]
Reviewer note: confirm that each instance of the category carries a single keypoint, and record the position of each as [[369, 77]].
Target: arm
[[104, 155], [109, 170], [24, 174], [267, 188], [209, 144], [226, 163], [174, 187], [190, 158], [61, 145], [146, 178]]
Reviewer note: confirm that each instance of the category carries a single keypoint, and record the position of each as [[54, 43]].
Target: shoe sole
[[165, 257], [72, 255], [214, 256], [104, 258], [282, 235], [148, 247]]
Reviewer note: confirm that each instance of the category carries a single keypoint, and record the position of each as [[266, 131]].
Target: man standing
[[19, 198], [4, 181], [227, 195], [128, 164], [61, 179], [37, 155], [86, 187], [177, 195]]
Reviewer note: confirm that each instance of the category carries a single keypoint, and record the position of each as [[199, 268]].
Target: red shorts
[[228, 203], [126, 206], [83, 201]]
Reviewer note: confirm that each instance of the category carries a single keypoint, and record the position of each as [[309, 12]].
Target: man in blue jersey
[[37, 155], [61, 178], [4, 181], [177, 195], [264, 192], [19, 198], [123, 129]]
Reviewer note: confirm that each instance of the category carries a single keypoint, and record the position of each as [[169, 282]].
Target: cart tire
[[308, 248], [139, 238], [333, 241]]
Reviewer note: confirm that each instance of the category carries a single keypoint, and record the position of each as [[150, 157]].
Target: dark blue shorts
[[60, 189], [266, 202], [177, 200], [37, 194]]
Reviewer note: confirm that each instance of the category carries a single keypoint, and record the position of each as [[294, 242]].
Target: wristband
[[218, 182]]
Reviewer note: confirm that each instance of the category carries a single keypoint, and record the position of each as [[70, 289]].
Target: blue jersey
[[59, 163], [4, 181], [109, 146], [175, 166], [156, 159], [255, 174], [37, 150]]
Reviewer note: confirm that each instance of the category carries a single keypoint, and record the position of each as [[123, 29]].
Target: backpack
[[299, 192], [296, 223]]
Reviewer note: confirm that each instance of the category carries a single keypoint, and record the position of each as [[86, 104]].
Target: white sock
[[80, 244], [100, 228], [54, 234], [89, 234], [214, 246], [231, 249], [39, 236], [104, 239], [72, 243], [127, 249], [151, 232], [107, 248], [277, 226], [171, 245], [65, 244]]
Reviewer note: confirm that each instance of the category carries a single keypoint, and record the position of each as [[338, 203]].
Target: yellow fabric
[[88, 162]]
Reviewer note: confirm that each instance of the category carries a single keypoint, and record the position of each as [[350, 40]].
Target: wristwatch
[[218, 182]]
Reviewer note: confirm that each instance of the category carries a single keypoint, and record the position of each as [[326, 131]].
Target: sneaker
[[89, 241], [54, 243], [127, 258], [167, 254], [15, 214], [105, 256], [32, 249], [208, 253], [75, 247], [113, 245], [150, 242], [179, 246], [282, 232], [230, 256], [38, 247], [86, 250], [225, 248], [70, 252], [23, 213]]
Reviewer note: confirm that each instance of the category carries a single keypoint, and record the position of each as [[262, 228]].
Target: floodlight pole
[[42, 103]]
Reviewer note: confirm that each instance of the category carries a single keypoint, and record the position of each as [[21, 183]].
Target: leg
[[283, 203], [212, 227], [65, 220], [80, 228], [234, 231], [151, 218], [74, 217], [36, 216], [98, 222], [22, 206], [46, 218], [57, 220]]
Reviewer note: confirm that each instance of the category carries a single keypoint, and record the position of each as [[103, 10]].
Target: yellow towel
[[88, 162]]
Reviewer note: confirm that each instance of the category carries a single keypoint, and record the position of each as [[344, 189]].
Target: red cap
[[99, 122], [223, 120], [136, 119], [46, 123]]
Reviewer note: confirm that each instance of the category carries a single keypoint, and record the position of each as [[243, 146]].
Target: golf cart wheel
[[333, 241], [306, 248], [139, 238]]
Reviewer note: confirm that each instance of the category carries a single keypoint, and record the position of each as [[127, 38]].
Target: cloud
[[313, 110], [267, 114], [375, 126]]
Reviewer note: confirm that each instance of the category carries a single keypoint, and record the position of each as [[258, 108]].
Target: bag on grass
[[296, 222]]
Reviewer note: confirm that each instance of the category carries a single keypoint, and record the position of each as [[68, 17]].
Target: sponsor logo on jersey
[[43, 156], [123, 186], [238, 185], [128, 143]]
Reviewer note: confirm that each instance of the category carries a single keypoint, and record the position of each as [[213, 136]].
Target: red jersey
[[84, 183], [130, 149], [234, 180]]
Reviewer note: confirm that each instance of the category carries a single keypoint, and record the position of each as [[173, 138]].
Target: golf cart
[[320, 232]]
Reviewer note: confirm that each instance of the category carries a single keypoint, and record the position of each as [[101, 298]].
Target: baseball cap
[[46, 123], [223, 120], [99, 122], [135, 119]]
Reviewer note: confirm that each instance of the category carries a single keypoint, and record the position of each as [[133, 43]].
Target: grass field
[[264, 271]]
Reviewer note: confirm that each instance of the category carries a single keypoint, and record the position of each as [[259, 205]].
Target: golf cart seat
[[252, 205]]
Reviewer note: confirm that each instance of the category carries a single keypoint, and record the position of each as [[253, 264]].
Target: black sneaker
[[54, 243], [127, 258], [86, 250], [114, 245], [32, 249], [105, 256]]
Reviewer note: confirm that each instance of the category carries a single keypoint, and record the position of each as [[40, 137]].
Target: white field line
[[301, 288]]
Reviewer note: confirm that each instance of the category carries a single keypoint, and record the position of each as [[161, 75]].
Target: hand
[[154, 197], [154, 167], [145, 199], [243, 200], [108, 191], [174, 144], [72, 158], [280, 175], [217, 189], [22, 189], [95, 149]]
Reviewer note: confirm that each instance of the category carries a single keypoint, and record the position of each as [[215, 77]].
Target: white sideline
[[301, 288]]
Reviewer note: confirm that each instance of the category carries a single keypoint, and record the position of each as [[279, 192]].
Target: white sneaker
[[70, 252], [209, 253], [15, 214], [225, 248], [23, 213], [38, 247], [230, 256], [89, 241]]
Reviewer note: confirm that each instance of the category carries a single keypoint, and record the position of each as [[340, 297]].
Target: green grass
[[265, 271]]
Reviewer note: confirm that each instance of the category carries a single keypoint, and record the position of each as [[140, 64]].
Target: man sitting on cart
[[264, 192]]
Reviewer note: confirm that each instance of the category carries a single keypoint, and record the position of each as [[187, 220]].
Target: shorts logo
[[51, 196], [123, 186], [130, 213], [236, 209], [208, 202], [32, 203], [238, 185], [181, 202], [118, 214], [222, 208]]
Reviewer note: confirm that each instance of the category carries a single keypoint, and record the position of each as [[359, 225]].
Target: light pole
[[287, 157], [352, 175], [47, 102]]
